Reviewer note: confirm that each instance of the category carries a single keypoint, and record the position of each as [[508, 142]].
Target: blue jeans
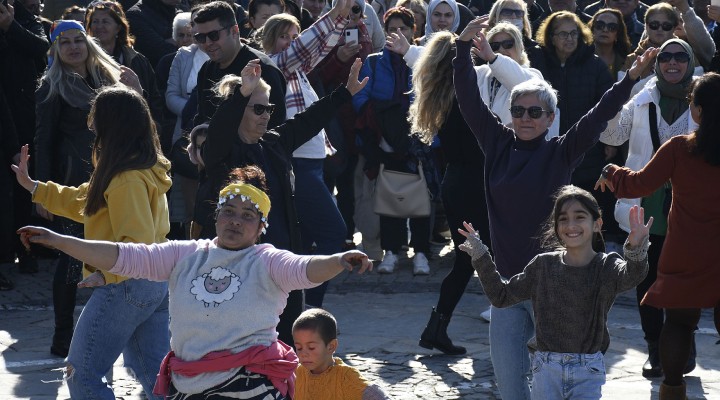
[[128, 318], [567, 376], [510, 330], [320, 220]]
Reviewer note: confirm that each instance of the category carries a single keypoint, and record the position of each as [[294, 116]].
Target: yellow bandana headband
[[257, 197]]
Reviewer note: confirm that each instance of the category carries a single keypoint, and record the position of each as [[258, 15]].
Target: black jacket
[[23, 57], [8, 136], [63, 142], [151, 24], [278, 145]]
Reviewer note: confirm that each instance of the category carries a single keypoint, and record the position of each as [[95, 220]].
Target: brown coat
[[689, 267]]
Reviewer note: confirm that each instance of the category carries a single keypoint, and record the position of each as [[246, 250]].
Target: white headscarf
[[431, 7]]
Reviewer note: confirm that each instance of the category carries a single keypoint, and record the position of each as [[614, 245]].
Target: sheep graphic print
[[215, 287]]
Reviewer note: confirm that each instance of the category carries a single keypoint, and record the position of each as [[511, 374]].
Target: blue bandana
[[59, 27]]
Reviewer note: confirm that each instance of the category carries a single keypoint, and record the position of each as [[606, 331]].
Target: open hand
[[250, 77], [642, 62], [473, 28], [602, 183], [353, 259], [38, 235], [638, 229], [470, 230], [348, 51], [353, 85], [21, 169], [397, 43]]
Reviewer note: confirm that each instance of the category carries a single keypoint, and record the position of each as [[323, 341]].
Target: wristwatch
[[605, 171]]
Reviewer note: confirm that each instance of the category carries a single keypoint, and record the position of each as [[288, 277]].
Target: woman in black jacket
[[237, 139], [106, 22]]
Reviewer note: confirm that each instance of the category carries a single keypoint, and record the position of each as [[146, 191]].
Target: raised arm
[[314, 43], [586, 132], [619, 128], [634, 270], [698, 36], [484, 124], [500, 292]]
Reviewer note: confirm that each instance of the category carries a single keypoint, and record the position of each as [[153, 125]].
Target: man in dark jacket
[[24, 47], [8, 153], [151, 24]]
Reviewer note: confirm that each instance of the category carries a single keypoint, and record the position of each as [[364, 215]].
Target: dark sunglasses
[[534, 112], [214, 36], [681, 57], [666, 26], [356, 9], [610, 26], [260, 109], [509, 13], [506, 44]]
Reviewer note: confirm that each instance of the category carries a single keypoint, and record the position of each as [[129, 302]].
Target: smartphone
[[351, 35]]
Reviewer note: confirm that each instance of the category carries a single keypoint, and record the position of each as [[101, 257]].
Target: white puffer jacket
[[633, 123]]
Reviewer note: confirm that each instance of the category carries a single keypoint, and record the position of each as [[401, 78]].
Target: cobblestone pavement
[[380, 319]]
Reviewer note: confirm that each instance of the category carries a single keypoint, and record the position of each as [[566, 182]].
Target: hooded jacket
[[136, 212]]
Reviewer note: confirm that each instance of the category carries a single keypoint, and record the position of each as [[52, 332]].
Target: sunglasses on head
[[260, 109], [510, 13], [506, 44], [666, 26], [534, 112], [356, 9], [104, 5], [610, 26], [681, 57], [214, 36]]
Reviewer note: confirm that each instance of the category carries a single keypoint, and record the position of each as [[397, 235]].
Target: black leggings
[[463, 196], [676, 339]]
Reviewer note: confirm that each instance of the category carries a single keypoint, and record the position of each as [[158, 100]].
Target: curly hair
[[547, 29]]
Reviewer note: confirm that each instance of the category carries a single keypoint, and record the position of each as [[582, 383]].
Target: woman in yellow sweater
[[124, 201]]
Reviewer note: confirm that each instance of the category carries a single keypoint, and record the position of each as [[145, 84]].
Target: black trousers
[[651, 318], [463, 196]]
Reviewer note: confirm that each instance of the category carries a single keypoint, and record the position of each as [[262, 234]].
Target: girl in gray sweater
[[572, 290]]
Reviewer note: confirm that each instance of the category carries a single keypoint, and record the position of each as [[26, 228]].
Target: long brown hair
[[125, 139]]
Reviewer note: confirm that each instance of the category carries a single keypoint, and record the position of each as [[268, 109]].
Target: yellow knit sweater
[[339, 382], [136, 211]]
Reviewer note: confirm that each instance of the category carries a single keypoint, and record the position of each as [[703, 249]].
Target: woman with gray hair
[[521, 164]]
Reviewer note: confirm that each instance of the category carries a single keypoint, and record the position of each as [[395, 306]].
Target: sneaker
[[420, 264], [387, 266], [486, 314]]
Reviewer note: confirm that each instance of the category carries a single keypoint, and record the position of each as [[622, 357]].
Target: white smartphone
[[351, 35]]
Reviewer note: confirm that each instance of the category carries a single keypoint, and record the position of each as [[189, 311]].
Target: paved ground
[[380, 318]]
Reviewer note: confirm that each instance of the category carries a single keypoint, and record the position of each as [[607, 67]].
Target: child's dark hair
[[250, 174], [567, 193], [318, 320]]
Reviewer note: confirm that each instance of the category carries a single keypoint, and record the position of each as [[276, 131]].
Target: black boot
[[64, 305], [435, 335], [690, 366], [652, 368]]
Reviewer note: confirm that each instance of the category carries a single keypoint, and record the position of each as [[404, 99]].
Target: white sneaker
[[387, 266], [486, 314], [420, 264]]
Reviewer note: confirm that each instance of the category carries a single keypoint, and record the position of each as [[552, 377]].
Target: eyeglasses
[[510, 13], [534, 112], [214, 36], [260, 109], [506, 44], [567, 35], [356, 9], [681, 57], [666, 26], [610, 26]]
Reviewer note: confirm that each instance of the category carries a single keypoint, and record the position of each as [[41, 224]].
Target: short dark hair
[[407, 17], [215, 10], [254, 4], [317, 320]]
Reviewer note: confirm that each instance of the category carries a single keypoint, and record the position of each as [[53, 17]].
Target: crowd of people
[[162, 131]]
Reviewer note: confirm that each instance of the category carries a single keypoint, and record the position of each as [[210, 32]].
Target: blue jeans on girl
[[567, 376]]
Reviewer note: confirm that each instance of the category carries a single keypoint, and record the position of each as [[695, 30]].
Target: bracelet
[[32, 192], [604, 172], [494, 59]]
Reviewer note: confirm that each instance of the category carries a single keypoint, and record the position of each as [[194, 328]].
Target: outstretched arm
[[323, 268], [100, 254]]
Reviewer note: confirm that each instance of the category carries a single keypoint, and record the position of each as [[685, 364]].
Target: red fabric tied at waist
[[277, 361]]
